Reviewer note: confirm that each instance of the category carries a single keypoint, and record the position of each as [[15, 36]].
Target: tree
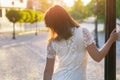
[[100, 9], [13, 16], [118, 9], [31, 16], [78, 10], [96, 8], [90, 8], [26, 16], [37, 18]]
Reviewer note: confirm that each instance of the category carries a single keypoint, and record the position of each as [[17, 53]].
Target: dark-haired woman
[[68, 43]]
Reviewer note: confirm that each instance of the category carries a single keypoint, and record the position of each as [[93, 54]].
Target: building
[[5, 25]]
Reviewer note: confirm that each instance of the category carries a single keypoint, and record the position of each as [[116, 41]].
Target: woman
[[69, 43]]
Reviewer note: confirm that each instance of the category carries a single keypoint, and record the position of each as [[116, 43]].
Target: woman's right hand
[[114, 35]]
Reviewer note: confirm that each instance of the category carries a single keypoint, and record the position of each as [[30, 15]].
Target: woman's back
[[71, 56], [69, 44]]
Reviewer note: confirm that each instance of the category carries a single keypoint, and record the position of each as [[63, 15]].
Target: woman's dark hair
[[59, 22]]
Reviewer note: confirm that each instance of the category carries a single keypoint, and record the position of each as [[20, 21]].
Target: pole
[[110, 23], [36, 28], [13, 30], [96, 23], [36, 23], [35, 19], [96, 30]]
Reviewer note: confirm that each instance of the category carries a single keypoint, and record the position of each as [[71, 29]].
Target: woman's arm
[[98, 55], [49, 68]]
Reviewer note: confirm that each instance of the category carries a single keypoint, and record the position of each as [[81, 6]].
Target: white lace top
[[71, 54]]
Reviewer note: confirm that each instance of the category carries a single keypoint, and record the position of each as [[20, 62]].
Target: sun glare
[[85, 2], [71, 2]]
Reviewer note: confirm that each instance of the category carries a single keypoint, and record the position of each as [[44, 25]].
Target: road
[[24, 58]]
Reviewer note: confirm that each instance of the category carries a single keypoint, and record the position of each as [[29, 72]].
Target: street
[[24, 58]]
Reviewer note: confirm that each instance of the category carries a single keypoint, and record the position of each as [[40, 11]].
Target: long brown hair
[[60, 22]]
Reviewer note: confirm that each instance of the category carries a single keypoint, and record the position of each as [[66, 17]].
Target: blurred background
[[23, 35]]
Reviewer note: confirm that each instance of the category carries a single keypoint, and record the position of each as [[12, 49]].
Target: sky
[[71, 2], [68, 2]]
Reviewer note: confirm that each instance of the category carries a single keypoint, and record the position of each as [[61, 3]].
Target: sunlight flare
[[85, 2], [71, 2]]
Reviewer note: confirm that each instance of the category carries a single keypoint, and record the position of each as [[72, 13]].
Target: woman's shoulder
[[50, 41], [83, 30], [78, 30]]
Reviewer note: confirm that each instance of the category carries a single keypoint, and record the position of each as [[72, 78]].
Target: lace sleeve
[[50, 51], [87, 37]]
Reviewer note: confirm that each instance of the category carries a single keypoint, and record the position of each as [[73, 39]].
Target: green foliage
[[90, 7], [78, 11], [38, 16], [76, 15], [13, 15], [101, 10], [97, 10], [25, 16], [30, 16], [118, 9]]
